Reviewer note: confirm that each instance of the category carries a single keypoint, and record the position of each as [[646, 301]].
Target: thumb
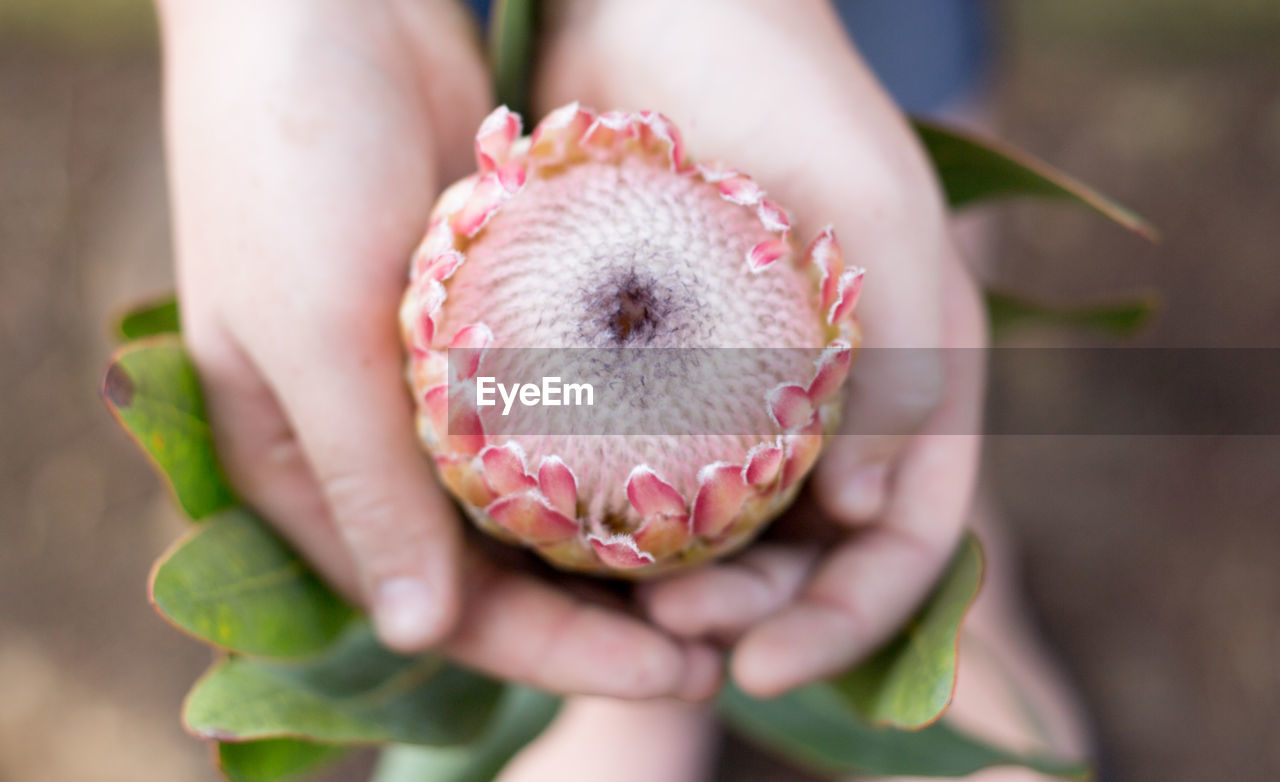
[[891, 394], [352, 415]]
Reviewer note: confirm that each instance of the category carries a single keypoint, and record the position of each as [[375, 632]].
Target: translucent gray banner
[[731, 391]]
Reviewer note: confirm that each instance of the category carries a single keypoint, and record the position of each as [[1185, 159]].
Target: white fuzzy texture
[[544, 274]]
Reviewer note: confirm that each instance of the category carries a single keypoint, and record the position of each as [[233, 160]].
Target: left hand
[[776, 88]]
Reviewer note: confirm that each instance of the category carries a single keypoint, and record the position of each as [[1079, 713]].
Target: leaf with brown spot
[[152, 388]]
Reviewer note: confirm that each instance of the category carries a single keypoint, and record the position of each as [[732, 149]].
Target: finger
[[353, 417], [607, 652], [263, 458], [863, 591], [302, 182], [519, 628], [891, 393], [869, 586], [722, 601]]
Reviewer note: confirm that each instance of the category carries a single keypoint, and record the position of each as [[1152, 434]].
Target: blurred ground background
[[1152, 562]]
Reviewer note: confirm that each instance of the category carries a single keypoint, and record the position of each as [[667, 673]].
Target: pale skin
[[307, 142]]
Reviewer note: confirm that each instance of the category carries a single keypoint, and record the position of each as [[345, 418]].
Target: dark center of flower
[[636, 310], [631, 308]]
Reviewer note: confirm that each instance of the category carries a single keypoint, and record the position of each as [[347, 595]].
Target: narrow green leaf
[[357, 692], [974, 169], [276, 760], [234, 583], [522, 716], [152, 389], [814, 727], [909, 682], [1120, 317], [149, 319], [511, 41]]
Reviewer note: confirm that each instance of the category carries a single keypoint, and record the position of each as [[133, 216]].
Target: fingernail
[[405, 612], [862, 495]]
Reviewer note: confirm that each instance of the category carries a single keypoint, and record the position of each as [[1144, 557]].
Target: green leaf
[[813, 727], [149, 319], [233, 583], [357, 692], [152, 389], [523, 715], [974, 169], [909, 682], [1121, 317], [511, 41], [275, 760]]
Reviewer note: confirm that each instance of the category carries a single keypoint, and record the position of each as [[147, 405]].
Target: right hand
[[776, 87]]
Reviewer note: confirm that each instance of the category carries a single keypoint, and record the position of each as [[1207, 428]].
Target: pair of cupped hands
[[307, 141]]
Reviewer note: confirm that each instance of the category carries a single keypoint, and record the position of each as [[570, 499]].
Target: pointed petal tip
[[765, 254], [467, 349], [763, 463], [527, 516], [497, 133], [848, 290], [832, 367], [492, 191], [773, 217], [649, 494], [504, 469], [790, 406], [558, 484], [620, 552], [721, 492]]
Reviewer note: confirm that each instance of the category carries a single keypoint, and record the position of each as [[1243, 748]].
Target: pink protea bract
[[596, 232]]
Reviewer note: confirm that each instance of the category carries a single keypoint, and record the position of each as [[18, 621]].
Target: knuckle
[[362, 510], [650, 675]]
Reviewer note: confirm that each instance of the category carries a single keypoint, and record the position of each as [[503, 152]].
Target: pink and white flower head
[[597, 232]]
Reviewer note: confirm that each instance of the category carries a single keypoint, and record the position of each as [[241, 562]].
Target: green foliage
[[357, 692], [316, 681], [150, 319], [814, 727], [153, 390], [522, 716], [511, 43], [276, 760], [909, 682], [973, 169], [235, 584], [1122, 317]]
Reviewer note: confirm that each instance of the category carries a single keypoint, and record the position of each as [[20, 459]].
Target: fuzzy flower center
[[630, 255], [633, 308], [634, 255]]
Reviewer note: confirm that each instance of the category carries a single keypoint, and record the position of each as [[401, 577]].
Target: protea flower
[[597, 232]]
